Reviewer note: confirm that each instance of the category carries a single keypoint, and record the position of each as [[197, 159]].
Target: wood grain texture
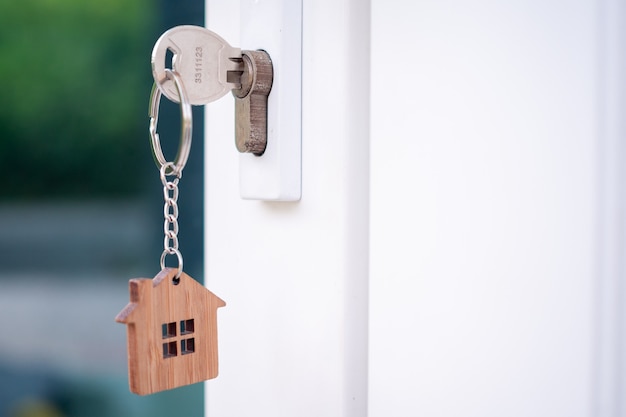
[[157, 302]]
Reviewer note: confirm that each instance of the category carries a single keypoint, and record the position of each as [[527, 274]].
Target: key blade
[[233, 74]]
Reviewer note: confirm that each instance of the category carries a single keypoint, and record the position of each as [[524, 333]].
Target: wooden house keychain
[[171, 319]]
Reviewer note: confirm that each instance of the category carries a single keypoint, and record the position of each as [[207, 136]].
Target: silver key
[[208, 65]]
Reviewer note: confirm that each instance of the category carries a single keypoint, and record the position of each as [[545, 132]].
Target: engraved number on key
[[208, 66]]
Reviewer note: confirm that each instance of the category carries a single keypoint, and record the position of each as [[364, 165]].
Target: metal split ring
[[176, 252], [186, 126]]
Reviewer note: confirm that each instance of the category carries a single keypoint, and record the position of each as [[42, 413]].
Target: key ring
[[186, 125], [179, 272]]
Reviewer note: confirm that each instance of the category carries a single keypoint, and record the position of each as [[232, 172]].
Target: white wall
[[492, 197], [292, 337], [486, 142]]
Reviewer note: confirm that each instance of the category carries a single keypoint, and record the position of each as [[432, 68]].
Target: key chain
[[171, 319]]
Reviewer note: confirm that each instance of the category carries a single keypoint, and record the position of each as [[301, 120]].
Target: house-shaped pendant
[[172, 332]]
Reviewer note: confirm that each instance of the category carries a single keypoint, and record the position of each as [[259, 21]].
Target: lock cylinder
[[251, 102]]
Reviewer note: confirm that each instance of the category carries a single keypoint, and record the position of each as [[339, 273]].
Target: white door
[[457, 250]]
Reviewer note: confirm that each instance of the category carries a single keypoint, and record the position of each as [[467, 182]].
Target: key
[[208, 66]]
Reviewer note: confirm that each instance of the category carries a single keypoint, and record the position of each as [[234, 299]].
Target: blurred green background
[[81, 204], [75, 78]]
